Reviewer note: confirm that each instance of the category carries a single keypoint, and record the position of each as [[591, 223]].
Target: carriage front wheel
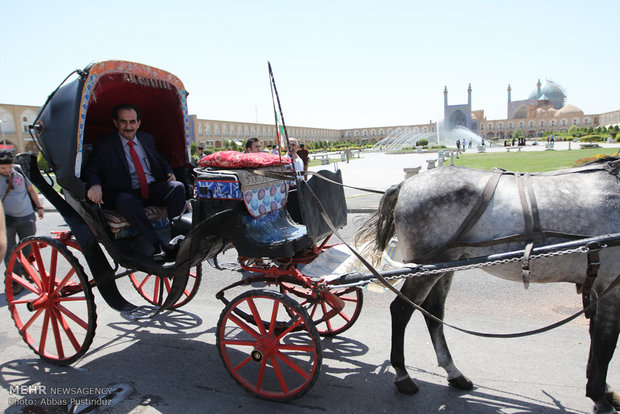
[[54, 310], [269, 345]]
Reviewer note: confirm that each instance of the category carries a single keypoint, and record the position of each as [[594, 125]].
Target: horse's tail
[[379, 228]]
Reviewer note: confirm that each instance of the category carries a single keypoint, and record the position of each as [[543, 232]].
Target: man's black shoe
[[159, 255]]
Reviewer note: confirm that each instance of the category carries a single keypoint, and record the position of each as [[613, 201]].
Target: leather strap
[[472, 218], [527, 218], [594, 264], [525, 269], [9, 187], [533, 203]]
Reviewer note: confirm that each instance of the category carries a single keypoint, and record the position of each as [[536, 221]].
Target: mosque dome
[[552, 91], [546, 111], [569, 110]]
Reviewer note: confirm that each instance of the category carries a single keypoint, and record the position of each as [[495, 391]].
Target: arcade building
[[545, 109]]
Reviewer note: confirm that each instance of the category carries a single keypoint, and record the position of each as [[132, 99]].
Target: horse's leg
[[416, 290], [604, 331], [435, 305]]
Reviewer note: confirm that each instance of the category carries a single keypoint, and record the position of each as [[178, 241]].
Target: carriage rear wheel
[[55, 310], [269, 345], [329, 320], [155, 289]]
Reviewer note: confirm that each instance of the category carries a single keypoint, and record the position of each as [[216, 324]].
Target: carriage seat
[[263, 227], [121, 228]]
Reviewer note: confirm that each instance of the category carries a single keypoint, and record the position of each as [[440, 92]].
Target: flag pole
[[274, 90]]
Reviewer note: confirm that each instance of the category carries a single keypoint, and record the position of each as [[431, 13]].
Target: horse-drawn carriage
[[268, 340], [232, 206]]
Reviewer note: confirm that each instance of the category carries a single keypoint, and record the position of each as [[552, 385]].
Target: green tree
[[573, 131], [518, 133]]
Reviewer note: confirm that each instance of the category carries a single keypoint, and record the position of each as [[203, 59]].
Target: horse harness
[[533, 229]]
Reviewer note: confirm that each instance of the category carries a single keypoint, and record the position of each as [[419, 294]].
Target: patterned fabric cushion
[[263, 200], [121, 227], [235, 159]]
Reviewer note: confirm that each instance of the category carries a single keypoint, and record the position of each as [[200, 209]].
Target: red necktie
[[144, 186]]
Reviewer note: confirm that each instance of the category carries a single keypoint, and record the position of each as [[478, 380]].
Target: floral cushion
[[158, 216], [235, 159]]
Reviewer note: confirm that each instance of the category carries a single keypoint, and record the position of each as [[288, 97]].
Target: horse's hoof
[[406, 386], [614, 399], [461, 382], [604, 407]]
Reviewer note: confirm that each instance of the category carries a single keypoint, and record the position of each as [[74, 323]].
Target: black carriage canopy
[[80, 112]]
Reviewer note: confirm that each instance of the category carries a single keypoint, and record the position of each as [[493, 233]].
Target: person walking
[[19, 200]]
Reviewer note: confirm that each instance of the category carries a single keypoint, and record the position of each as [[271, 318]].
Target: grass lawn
[[528, 161]]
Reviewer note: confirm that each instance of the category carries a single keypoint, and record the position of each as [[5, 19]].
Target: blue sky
[[337, 64]]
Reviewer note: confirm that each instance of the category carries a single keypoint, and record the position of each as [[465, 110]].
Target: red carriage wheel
[[269, 345], [55, 312], [329, 320], [155, 289]]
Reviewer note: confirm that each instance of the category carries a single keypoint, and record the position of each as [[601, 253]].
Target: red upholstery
[[235, 159]]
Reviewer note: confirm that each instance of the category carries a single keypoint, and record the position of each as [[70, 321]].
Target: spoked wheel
[[55, 313], [331, 316], [155, 289], [269, 345]]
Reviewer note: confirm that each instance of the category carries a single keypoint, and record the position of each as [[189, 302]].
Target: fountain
[[403, 138]]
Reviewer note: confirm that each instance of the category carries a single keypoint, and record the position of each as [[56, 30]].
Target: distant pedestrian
[[347, 154], [458, 144]]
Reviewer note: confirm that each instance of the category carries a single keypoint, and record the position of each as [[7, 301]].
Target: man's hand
[[40, 212], [171, 177], [95, 194]]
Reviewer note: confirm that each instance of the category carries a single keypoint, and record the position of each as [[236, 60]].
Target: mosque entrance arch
[[457, 118]]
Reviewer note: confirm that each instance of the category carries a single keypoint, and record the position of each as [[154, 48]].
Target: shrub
[[591, 138], [422, 143]]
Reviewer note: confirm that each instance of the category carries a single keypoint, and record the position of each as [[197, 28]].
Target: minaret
[[469, 107], [509, 90], [538, 89], [445, 104]]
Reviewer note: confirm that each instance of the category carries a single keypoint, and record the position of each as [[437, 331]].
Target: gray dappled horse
[[428, 211]]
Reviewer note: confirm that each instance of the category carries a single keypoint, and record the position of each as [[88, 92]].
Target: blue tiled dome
[[553, 92]]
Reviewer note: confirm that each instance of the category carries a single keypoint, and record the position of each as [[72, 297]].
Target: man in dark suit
[[126, 173]]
